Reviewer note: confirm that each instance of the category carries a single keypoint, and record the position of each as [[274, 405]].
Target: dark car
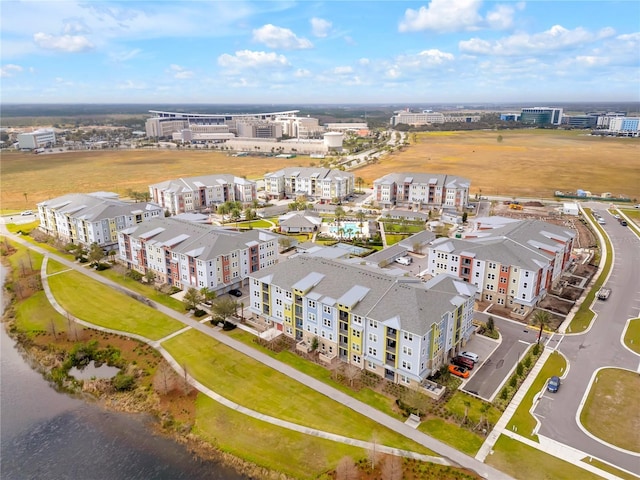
[[623, 223], [554, 384], [235, 292], [463, 362]]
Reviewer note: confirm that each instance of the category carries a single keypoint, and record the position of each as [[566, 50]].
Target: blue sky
[[319, 52]]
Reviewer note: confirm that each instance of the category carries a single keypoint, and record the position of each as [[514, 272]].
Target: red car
[[459, 371]]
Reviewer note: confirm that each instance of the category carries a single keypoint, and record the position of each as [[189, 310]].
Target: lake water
[[45, 434]]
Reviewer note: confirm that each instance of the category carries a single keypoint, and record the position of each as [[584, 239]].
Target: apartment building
[[418, 190], [513, 266], [318, 183], [185, 254], [97, 217], [193, 194], [396, 327]]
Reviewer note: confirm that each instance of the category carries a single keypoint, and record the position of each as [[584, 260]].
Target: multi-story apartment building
[[397, 327], [186, 254], [319, 183], [197, 193], [513, 266], [42, 138], [419, 190], [97, 217]]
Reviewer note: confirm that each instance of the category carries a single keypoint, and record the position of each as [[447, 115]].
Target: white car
[[26, 212], [471, 356], [404, 260]]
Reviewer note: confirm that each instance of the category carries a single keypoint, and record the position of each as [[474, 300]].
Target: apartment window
[[373, 324], [373, 351], [406, 365], [373, 337], [327, 309], [356, 359], [504, 269], [357, 320], [311, 317], [407, 351], [287, 294], [357, 333], [311, 304], [408, 336], [326, 322], [525, 284], [405, 379], [371, 365], [355, 347]]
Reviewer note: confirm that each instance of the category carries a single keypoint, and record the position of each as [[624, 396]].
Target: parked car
[[554, 384], [471, 356], [463, 362], [404, 260], [459, 371], [235, 292], [26, 212], [623, 223]]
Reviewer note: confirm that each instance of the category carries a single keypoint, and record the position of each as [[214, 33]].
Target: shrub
[[199, 313], [504, 394], [102, 266], [228, 326], [134, 275], [520, 369], [123, 382]]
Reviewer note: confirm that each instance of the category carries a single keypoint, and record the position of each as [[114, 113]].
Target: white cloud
[[320, 27], [443, 16], [180, 72], [74, 26], [342, 70], [278, 37], [501, 17], [9, 70], [364, 61], [425, 59], [591, 61], [124, 56], [302, 73], [554, 39], [63, 43], [251, 59]]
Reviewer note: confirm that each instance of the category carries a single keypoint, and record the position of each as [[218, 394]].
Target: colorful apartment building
[[513, 266], [185, 254], [419, 190], [396, 327], [87, 218], [194, 194], [318, 183]]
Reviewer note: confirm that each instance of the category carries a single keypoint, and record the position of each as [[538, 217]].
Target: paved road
[[600, 347], [453, 455]]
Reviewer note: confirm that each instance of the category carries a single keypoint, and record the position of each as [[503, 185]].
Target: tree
[[207, 294], [150, 276], [360, 216], [541, 318], [224, 307], [339, 214], [95, 254], [235, 215], [360, 181], [465, 215], [347, 469], [192, 298], [164, 381], [392, 468], [490, 324]]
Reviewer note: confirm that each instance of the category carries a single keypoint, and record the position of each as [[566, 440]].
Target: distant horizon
[[428, 52]]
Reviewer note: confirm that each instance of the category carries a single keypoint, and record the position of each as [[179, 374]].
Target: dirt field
[[532, 163], [50, 175]]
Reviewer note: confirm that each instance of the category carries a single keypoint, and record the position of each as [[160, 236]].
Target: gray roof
[[420, 238], [309, 172], [203, 242], [96, 207], [299, 220], [371, 293], [190, 184], [437, 179]]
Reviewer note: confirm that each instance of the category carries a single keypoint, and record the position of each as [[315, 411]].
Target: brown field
[[531, 163], [47, 176]]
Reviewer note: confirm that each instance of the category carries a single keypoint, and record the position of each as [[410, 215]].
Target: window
[[356, 359], [355, 347], [327, 309], [525, 285], [311, 304], [406, 365], [408, 336], [407, 351], [311, 317], [405, 379], [326, 322], [373, 324], [373, 337], [357, 333], [373, 351], [371, 365], [357, 320]]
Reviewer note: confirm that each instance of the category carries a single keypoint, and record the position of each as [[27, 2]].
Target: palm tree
[[541, 318]]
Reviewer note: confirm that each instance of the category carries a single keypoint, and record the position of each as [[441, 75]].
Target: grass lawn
[[270, 392], [633, 213], [522, 163], [522, 419], [92, 171], [451, 434], [526, 463], [632, 335], [611, 410], [101, 305], [608, 468], [24, 259], [393, 238], [456, 406], [257, 224], [35, 314], [143, 289], [584, 316], [55, 267], [300, 456]]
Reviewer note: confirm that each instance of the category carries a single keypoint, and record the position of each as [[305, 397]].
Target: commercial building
[[42, 138], [194, 194], [541, 116], [185, 254], [424, 117], [418, 190], [97, 217], [513, 266], [629, 126], [317, 183], [396, 327]]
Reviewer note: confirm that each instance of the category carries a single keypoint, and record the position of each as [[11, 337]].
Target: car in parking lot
[[553, 384], [459, 371], [235, 292], [463, 362], [471, 356]]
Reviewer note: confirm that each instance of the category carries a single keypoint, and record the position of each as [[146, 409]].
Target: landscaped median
[[632, 335], [250, 383], [106, 307], [584, 316]]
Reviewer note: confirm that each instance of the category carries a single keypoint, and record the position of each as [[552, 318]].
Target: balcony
[[390, 360]]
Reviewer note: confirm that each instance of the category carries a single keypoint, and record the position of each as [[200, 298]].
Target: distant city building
[[398, 328], [425, 117], [43, 138], [580, 121], [185, 254], [421, 190], [346, 127], [194, 194], [318, 183], [97, 217], [509, 117], [541, 116], [625, 125]]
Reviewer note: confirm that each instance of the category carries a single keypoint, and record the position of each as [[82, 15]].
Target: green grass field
[[251, 384], [611, 410], [632, 335], [103, 306]]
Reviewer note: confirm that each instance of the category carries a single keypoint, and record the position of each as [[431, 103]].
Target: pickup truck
[[603, 293]]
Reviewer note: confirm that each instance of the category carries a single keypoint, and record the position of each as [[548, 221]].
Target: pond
[[91, 371]]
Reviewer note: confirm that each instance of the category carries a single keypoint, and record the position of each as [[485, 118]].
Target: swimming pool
[[346, 229]]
